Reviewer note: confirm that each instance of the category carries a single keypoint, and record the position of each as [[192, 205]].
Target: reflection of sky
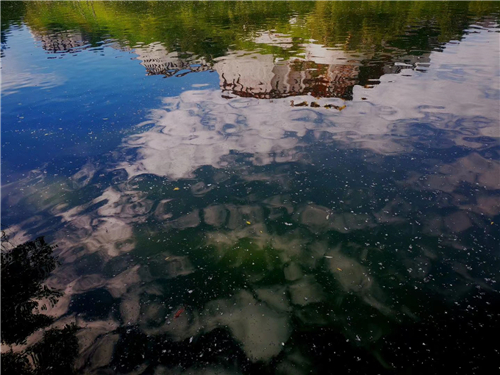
[[98, 95], [14, 81], [200, 128], [19, 73], [463, 80], [162, 194]]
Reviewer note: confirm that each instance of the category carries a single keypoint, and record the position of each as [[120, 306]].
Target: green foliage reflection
[[209, 29]]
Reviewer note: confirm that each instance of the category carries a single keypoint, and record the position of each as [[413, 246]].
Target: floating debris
[[178, 313], [175, 189], [249, 223]]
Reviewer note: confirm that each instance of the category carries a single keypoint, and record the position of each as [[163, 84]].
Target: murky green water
[[250, 187]]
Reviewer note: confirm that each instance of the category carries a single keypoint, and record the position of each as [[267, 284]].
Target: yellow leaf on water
[[249, 223], [175, 189], [340, 269]]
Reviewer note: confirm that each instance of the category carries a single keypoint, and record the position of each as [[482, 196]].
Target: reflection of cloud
[[468, 97], [306, 291], [473, 169], [200, 128], [355, 278], [319, 219], [100, 353], [260, 329], [13, 82], [259, 317], [204, 129]]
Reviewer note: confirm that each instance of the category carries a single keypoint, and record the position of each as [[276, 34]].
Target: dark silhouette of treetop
[[24, 269]]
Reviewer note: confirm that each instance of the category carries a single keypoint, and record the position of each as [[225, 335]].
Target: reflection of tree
[[54, 354], [210, 29], [199, 32], [12, 14], [57, 351], [16, 363], [192, 36], [23, 270]]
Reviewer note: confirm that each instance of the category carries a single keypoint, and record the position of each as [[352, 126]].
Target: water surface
[[251, 187]]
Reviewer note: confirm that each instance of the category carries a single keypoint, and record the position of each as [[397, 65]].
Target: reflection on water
[[310, 187]]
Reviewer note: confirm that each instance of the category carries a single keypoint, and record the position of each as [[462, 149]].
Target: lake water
[[251, 187]]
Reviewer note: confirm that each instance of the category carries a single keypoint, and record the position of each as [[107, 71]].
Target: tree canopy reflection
[[24, 270], [189, 26], [335, 44]]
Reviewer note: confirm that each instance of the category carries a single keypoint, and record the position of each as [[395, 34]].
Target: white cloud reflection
[[200, 128]]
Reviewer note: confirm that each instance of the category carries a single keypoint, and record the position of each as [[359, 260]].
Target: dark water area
[[250, 187]]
